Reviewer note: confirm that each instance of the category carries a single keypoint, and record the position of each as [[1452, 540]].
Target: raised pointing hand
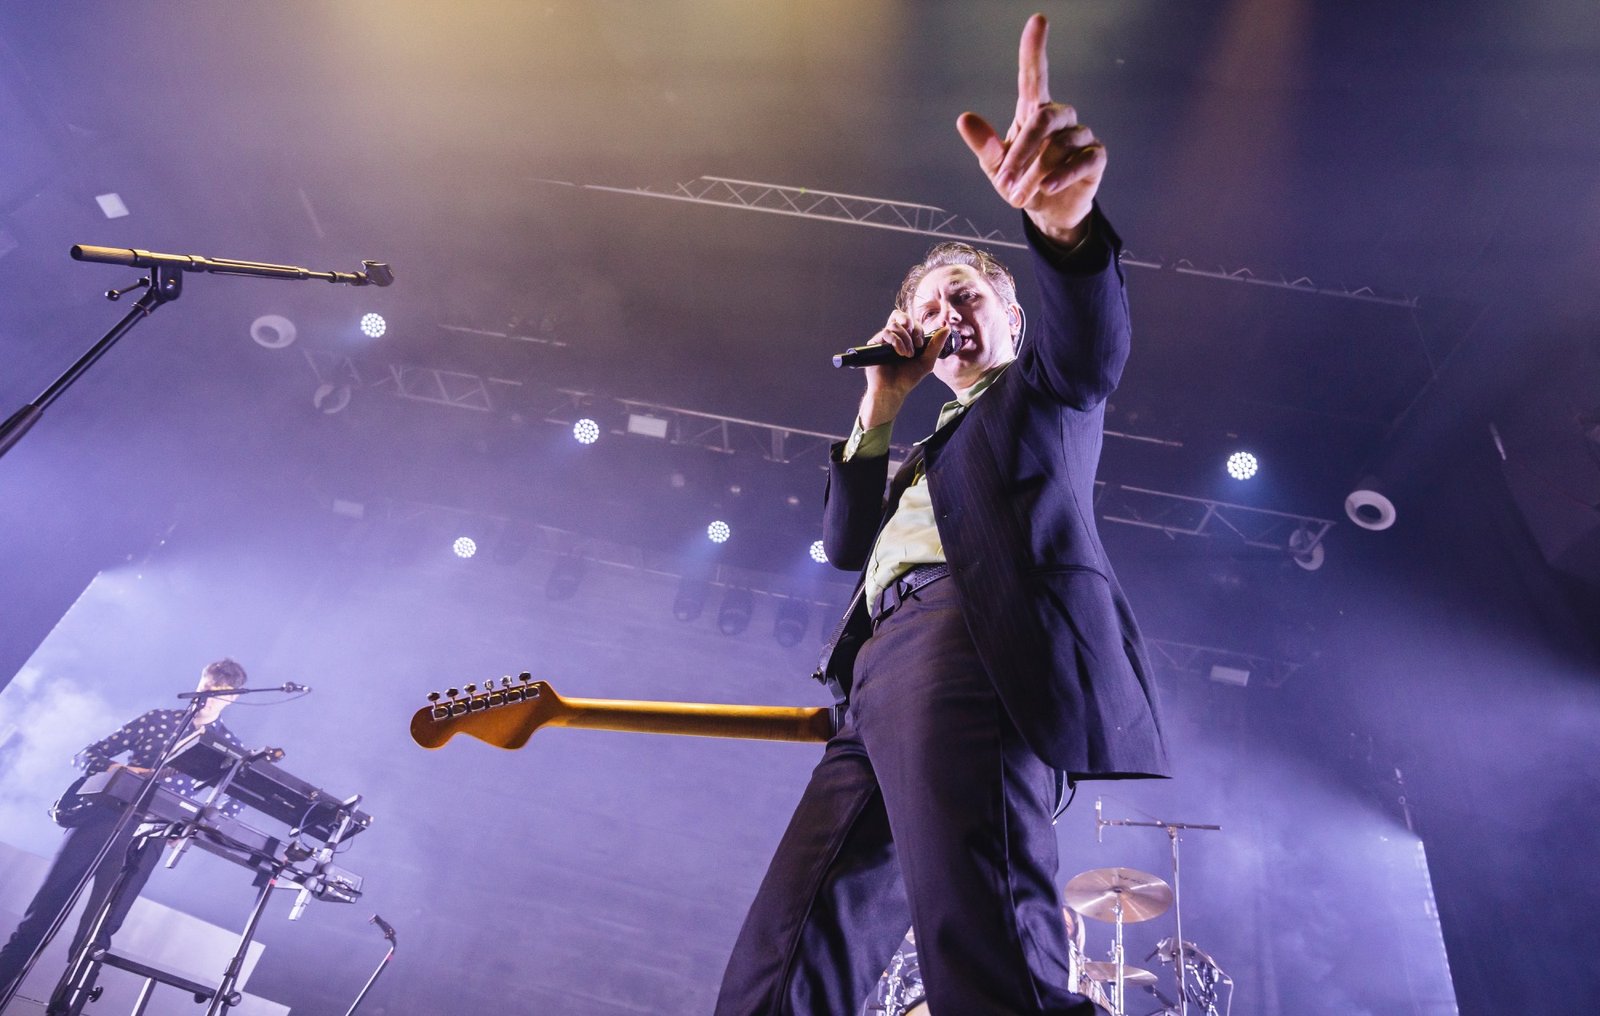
[[1048, 164]]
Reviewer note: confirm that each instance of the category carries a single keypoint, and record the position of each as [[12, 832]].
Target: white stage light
[[1242, 465], [719, 531], [818, 554], [647, 426], [465, 546], [373, 325], [586, 431], [272, 331]]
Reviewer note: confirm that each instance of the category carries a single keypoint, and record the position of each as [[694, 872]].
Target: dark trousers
[[927, 809], [71, 861]]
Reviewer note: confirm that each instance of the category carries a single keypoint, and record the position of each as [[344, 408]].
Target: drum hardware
[[1172, 829], [1208, 977], [1136, 977], [1121, 896]]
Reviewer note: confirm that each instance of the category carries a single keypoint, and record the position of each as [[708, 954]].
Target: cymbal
[[1097, 970], [1095, 894]]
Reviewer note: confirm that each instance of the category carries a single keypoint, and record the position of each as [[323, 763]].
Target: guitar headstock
[[504, 715]]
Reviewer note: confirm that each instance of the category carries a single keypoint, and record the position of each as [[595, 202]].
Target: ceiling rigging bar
[[936, 222]]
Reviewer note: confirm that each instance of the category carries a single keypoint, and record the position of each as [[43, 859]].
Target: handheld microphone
[[878, 353]]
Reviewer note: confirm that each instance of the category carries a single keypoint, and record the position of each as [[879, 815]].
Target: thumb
[[982, 139]]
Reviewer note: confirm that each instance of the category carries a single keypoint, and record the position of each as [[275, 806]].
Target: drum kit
[[1123, 896]]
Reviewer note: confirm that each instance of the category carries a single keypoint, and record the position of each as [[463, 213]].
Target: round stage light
[[1242, 465], [272, 331], [818, 554], [373, 325], [465, 546], [719, 531], [586, 431]]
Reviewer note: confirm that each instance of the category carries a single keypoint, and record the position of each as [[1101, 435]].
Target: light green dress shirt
[[911, 536]]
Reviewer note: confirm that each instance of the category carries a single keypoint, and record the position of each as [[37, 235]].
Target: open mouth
[[954, 343]]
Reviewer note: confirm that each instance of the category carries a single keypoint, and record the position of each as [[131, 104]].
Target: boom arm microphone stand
[[1172, 829], [163, 285], [383, 964]]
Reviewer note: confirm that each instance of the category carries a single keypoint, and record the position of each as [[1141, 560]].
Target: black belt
[[901, 588]]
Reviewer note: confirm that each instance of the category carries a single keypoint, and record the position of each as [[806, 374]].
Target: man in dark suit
[[989, 647]]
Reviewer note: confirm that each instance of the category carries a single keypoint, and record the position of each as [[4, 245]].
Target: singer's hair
[[953, 252], [225, 673]]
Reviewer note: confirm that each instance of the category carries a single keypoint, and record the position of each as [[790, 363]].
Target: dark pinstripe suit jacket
[[1012, 486]]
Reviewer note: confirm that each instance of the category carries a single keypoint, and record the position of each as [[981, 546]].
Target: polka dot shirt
[[143, 739]]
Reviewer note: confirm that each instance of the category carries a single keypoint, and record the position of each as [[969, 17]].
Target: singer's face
[[980, 322], [213, 707]]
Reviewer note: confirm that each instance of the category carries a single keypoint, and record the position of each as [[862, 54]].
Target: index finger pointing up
[[1033, 67]]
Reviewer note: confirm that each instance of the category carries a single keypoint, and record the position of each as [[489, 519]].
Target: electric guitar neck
[[508, 714]]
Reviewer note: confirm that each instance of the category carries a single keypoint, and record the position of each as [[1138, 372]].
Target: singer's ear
[[1014, 315]]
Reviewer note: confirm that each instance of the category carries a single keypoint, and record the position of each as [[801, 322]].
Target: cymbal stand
[[1172, 830], [1118, 960]]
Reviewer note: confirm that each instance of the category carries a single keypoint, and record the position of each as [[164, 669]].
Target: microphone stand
[[164, 284], [1172, 829], [383, 964], [75, 985]]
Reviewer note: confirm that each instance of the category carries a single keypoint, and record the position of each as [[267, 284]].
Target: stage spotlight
[[1306, 549], [691, 598], [789, 627], [465, 546], [648, 426], [817, 553], [719, 531], [1368, 507], [586, 431], [1242, 465], [565, 576], [733, 617], [1221, 673], [331, 398], [373, 326], [272, 331]]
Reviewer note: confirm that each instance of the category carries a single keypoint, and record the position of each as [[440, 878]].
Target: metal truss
[[1181, 515], [932, 221], [454, 388], [729, 434], [1173, 514], [1185, 658]]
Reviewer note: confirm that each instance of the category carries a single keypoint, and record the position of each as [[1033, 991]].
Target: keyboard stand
[[152, 976]]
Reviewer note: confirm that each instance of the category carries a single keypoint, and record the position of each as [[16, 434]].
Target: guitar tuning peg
[[452, 692], [505, 682], [525, 677], [471, 688], [433, 696]]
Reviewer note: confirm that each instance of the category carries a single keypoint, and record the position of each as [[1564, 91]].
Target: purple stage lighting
[[719, 531], [465, 546], [373, 325], [817, 553], [586, 431], [1242, 465]]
